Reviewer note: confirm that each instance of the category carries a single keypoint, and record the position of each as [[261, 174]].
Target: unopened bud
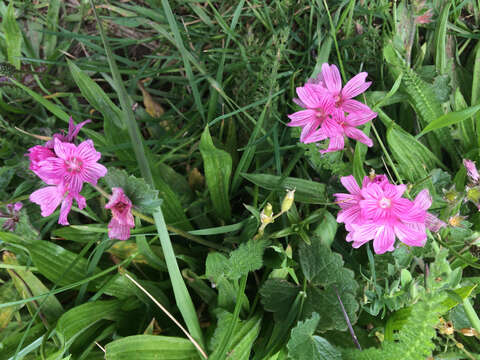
[[288, 200], [266, 216], [473, 194], [450, 195]]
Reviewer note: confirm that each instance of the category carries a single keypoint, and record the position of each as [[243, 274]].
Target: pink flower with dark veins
[[73, 131], [329, 82], [317, 111], [378, 212], [122, 218], [72, 166]]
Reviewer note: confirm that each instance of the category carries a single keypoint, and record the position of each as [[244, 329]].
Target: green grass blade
[[182, 297], [183, 51], [129, 117], [50, 39]]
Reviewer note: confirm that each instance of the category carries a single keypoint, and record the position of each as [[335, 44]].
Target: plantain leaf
[[13, 37], [150, 347], [218, 169], [309, 192], [451, 118]]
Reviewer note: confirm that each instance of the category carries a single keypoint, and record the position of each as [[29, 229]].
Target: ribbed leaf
[[150, 347], [13, 36], [309, 192], [451, 118], [50, 39], [218, 169], [467, 127]]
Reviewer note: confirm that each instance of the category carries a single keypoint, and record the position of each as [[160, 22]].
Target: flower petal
[[331, 78], [411, 234], [48, 198], [336, 143], [65, 209], [384, 239], [358, 135], [355, 106], [302, 117], [355, 86], [350, 184]]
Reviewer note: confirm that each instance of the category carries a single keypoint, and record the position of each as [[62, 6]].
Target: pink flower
[[425, 18], [378, 212], [122, 218], [471, 170], [36, 154], [317, 111], [12, 216], [72, 166], [329, 83]]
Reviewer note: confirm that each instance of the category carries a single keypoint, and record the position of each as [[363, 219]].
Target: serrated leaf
[[326, 276], [13, 37], [150, 347], [137, 190], [309, 192], [218, 169], [248, 257], [278, 295], [303, 345]]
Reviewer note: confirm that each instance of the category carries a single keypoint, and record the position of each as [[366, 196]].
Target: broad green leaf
[[467, 127], [309, 192], [326, 276], [29, 285], [96, 96], [303, 345], [13, 36], [415, 159], [7, 294], [218, 169], [248, 257], [138, 191], [150, 347], [10, 343], [278, 295], [451, 118], [50, 39], [63, 267], [242, 340], [80, 318], [327, 229]]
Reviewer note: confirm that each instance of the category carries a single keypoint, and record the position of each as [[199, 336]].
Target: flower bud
[[473, 194], [266, 216], [288, 200]]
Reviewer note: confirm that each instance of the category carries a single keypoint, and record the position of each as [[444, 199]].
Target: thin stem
[[471, 314], [170, 228], [349, 324], [199, 348], [332, 26]]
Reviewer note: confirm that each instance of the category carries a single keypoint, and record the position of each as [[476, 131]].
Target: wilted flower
[[12, 216], [73, 131], [378, 212], [471, 170], [122, 218]]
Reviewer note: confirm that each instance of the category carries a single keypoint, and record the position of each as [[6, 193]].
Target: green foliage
[[303, 345], [218, 168], [13, 36], [414, 340]]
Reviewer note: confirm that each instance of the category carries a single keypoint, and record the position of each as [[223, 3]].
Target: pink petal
[[411, 234], [87, 153], [423, 200], [331, 78], [308, 130], [308, 96], [48, 198], [336, 144], [433, 223], [355, 106], [350, 184], [65, 209], [471, 169], [349, 215], [302, 117], [384, 239], [355, 86], [51, 170], [93, 172], [117, 230], [316, 136], [364, 232], [81, 202], [64, 150], [358, 135], [357, 119]]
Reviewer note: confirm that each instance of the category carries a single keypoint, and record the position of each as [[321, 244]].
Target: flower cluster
[[64, 167], [378, 212], [330, 111]]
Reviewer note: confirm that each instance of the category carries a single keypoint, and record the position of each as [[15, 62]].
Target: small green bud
[[266, 216], [473, 194], [288, 200], [450, 195]]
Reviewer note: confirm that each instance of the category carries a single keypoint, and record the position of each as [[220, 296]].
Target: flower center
[[120, 206], [338, 100], [384, 203], [320, 114], [74, 165]]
